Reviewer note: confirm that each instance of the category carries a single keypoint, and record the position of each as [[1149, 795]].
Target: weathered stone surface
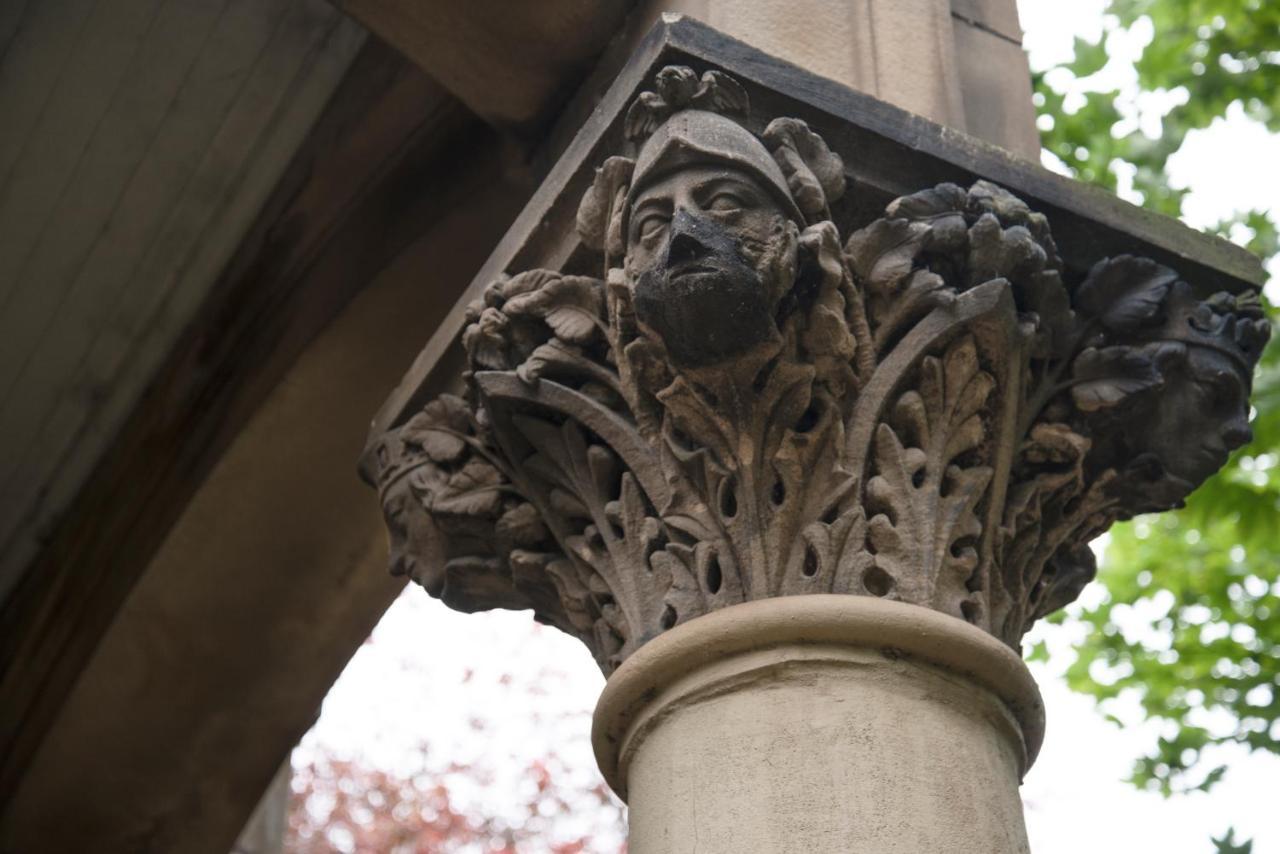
[[747, 400], [860, 44], [815, 724]]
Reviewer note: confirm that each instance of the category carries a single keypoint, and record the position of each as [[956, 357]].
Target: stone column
[[801, 462], [821, 723]]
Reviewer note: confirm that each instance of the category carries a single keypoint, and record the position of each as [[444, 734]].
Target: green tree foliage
[[1228, 844], [1206, 54], [1190, 624]]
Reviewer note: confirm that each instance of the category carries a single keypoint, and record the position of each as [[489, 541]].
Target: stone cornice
[[743, 386]]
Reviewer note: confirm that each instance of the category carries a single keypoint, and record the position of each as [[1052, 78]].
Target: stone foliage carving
[[747, 403]]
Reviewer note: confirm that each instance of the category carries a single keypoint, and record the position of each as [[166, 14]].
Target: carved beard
[[705, 299]]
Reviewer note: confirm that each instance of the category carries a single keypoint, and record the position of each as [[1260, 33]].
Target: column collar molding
[[642, 685]]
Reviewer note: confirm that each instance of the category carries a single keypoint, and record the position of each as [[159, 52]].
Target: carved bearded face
[[710, 255], [1207, 398]]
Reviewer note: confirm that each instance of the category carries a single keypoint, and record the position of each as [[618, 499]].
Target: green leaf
[[1227, 844], [1090, 57]]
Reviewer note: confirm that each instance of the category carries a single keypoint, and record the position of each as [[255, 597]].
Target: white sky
[[411, 682], [1234, 164]]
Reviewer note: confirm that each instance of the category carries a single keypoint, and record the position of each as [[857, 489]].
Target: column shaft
[[821, 724]]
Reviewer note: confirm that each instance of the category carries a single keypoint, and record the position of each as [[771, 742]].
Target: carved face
[[417, 546], [710, 254], [1206, 401]]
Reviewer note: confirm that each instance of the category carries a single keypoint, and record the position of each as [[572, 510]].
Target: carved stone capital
[[733, 393]]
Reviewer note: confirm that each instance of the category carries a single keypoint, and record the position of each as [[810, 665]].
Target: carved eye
[[1225, 397], [1217, 394], [726, 202], [1227, 391], [1206, 393], [395, 509], [652, 226]]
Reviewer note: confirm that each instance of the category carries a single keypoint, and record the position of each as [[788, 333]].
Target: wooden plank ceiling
[[139, 140]]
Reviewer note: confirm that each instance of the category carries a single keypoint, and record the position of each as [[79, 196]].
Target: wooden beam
[[512, 63], [140, 142], [276, 571], [374, 174]]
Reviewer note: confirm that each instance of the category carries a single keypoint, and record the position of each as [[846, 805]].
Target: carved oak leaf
[[1043, 295], [1124, 293], [573, 306], [521, 525], [474, 490], [507, 287], [555, 358], [1051, 505], [829, 333], [485, 340], [942, 201], [986, 234], [942, 209], [814, 173], [1065, 576], [439, 428], [882, 257], [565, 575], [985, 197], [1052, 444], [600, 212], [996, 252], [883, 254], [925, 527], [1001, 246], [1107, 377]]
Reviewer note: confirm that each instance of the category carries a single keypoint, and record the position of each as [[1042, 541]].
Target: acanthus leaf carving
[[925, 529], [1107, 377], [742, 405]]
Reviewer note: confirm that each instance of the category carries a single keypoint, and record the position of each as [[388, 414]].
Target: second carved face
[[1208, 398]]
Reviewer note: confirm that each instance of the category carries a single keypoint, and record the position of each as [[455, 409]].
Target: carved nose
[[688, 240], [1237, 434]]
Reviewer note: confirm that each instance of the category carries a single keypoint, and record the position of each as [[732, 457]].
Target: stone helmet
[[688, 120], [701, 138]]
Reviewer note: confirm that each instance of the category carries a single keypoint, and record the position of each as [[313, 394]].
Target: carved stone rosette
[[749, 404]]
